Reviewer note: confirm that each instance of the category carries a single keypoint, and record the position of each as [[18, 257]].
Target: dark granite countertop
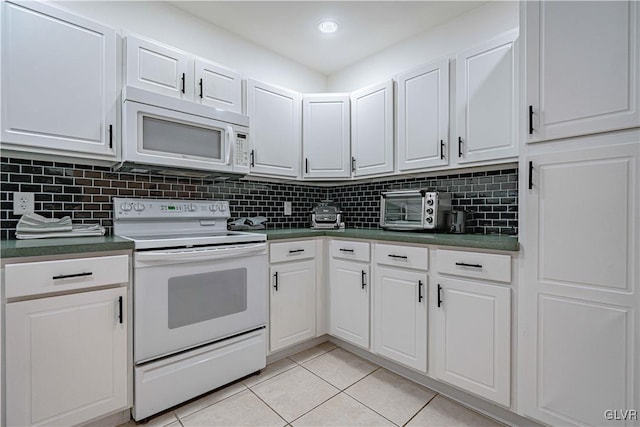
[[62, 246], [474, 241]]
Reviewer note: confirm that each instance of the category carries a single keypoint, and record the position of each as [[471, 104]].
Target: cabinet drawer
[[33, 278], [402, 256], [475, 265], [291, 251], [356, 251]]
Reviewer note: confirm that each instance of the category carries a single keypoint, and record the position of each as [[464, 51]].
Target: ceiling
[[290, 28]]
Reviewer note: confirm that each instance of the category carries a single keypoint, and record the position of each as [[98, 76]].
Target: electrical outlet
[[23, 203], [287, 208]]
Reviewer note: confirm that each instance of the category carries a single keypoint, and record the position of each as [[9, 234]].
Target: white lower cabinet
[[292, 317], [472, 325], [349, 292], [66, 362], [579, 309], [400, 311]]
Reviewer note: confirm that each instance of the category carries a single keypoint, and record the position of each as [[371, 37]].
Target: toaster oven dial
[[430, 202], [429, 220], [430, 211]]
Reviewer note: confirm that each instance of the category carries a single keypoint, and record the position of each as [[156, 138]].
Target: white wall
[[465, 31], [168, 24]]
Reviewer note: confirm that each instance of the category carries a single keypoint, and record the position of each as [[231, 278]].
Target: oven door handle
[[189, 255]]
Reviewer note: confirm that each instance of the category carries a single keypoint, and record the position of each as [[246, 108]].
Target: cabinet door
[[217, 86], [582, 67], [293, 303], [400, 316], [275, 129], [58, 82], [67, 358], [580, 300], [473, 337], [486, 100], [423, 117], [159, 68], [326, 143], [372, 129], [349, 301]]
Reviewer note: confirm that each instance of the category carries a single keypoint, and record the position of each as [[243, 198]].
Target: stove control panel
[[159, 208]]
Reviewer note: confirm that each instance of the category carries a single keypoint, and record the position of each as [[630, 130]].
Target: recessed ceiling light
[[328, 26]]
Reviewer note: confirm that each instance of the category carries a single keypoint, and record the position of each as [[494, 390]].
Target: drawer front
[[33, 278], [402, 256], [292, 251], [475, 265], [345, 249]]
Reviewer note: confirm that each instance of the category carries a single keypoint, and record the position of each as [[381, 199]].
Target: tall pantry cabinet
[[580, 195]]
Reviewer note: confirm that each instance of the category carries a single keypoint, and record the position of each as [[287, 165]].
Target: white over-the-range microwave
[[164, 133]]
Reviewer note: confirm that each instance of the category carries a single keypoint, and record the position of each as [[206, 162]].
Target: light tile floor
[[322, 386]]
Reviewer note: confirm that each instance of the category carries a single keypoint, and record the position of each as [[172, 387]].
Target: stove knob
[[213, 207], [192, 207], [125, 207], [139, 207], [223, 207]]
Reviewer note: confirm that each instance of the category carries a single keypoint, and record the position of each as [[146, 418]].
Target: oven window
[[197, 298], [401, 209], [180, 138]]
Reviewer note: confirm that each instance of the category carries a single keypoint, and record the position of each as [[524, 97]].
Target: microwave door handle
[[230, 142]]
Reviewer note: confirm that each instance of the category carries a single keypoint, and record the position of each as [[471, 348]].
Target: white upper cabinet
[[372, 129], [275, 115], [582, 67], [486, 100], [326, 144], [163, 69], [218, 86], [159, 68], [423, 117], [58, 83]]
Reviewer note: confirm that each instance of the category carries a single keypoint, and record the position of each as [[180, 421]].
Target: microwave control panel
[[241, 157]]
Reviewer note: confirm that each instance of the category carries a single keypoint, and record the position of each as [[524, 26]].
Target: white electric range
[[199, 299]]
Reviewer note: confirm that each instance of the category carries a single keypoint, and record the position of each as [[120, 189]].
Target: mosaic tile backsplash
[[84, 192]]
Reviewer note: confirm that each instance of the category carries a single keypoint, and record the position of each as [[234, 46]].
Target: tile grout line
[[420, 410], [275, 375], [269, 406], [208, 406]]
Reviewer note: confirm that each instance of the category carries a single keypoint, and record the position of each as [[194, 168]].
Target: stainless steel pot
[[456, 222]]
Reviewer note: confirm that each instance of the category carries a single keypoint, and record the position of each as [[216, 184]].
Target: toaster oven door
[[402, 211]]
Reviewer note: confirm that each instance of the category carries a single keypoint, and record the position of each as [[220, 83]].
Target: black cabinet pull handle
[[306, 165], [183, 76], [364, 276], [530, 175], [70, 276], [275, 285], [439, 295], [397, 256], [530, 119], [464, 264], [110, 136], [346, 250], [459, 146], [295, 251], [200, 88], [120, 315], [420, 291], [353, 164], [441, 149], [253, 156]]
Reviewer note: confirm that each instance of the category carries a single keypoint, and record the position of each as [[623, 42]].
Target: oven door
[[402, 211], [184, 298], [164, 137]]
